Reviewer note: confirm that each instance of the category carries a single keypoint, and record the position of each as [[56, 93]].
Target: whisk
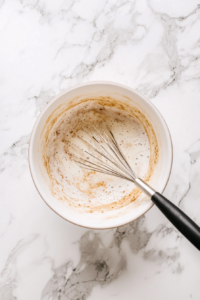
[[107, 158]]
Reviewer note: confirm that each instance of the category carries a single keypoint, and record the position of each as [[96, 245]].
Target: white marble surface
[[47, 46]]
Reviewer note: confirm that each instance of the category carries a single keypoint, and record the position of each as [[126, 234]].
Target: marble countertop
[[46, 46]]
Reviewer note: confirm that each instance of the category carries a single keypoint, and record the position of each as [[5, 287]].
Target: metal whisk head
[[103, 154]]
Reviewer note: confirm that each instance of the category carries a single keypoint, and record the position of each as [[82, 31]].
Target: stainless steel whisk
[[109, 159]]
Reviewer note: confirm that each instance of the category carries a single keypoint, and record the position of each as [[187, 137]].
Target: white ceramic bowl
[[100, 221]]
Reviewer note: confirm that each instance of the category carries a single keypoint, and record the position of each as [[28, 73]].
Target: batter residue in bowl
[[90, 191]]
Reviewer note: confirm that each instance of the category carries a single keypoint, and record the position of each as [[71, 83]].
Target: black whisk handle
[[178, 218]]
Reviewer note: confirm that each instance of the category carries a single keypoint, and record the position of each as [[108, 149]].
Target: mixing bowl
[[135, 209]]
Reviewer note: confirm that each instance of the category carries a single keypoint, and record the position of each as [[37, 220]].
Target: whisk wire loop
[[107, 147]]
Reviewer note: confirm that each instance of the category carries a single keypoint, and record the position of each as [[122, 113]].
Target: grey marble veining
[[48, 46]]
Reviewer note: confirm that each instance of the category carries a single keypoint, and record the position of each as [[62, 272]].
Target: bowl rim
[[93, 83]]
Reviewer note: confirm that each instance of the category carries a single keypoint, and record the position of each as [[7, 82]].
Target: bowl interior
[[159, 180]]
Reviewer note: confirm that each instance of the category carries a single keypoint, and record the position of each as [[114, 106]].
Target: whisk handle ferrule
[[148, 190]]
